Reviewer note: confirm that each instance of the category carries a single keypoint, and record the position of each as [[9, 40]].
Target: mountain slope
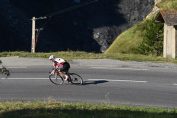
[[90, 28]]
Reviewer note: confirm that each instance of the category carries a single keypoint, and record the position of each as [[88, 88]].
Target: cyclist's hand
[[52, 72], [55, 68], [58, 69]]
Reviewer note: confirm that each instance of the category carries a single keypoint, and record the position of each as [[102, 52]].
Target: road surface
[[105, 81]]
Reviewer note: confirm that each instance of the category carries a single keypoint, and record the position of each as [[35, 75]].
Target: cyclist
[[62, 65]]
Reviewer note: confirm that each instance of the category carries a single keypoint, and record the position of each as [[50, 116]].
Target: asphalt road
[[105, 81]]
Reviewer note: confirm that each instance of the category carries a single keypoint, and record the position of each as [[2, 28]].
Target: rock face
[[14, 28], [92, 27]]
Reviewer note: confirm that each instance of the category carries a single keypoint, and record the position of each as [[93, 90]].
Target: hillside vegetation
[[131, 40], [145, 37], [128, 41]]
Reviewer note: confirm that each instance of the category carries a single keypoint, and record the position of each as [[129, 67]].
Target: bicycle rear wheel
[[56, 79], [4, 72], [75, 78]]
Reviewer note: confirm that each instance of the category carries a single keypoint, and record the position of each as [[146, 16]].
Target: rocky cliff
[[92, 27]]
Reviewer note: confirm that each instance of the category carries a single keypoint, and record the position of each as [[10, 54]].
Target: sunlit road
[[129, 83]]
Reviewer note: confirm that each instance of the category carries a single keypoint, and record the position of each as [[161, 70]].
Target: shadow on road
[[94, 82]]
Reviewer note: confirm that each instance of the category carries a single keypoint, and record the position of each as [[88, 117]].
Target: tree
[[153, 39]]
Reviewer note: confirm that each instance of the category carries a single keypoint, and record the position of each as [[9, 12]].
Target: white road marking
[[119, 68], [110, 80], [175, 84], [26, 78], [13, 67]]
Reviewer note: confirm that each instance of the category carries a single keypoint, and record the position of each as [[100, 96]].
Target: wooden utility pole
[[34, 38], [33, 43]]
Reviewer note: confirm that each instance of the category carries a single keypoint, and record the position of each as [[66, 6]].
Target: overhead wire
[[71, 8], [49, 16]]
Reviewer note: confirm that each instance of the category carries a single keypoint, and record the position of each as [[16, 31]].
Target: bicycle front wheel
[[56, 79], [7, 73], [75, 78]]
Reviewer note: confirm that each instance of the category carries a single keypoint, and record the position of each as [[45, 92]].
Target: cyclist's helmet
[[51, 57]]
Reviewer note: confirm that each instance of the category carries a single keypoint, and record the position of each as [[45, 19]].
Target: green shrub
[[152, 43]]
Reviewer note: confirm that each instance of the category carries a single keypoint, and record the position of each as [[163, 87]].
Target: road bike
[[4, 70], [57, 79]]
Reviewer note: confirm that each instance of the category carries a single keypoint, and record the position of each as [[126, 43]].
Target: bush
[[153, 39]]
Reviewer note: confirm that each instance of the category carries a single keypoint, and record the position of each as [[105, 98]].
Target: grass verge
[[85, 55], [63, 54], [79, 110]]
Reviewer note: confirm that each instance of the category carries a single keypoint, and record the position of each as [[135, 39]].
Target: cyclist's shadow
[[94, 82]]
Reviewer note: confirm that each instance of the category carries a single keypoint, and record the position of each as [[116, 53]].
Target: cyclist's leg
[[65, 76], [65, 70], [62, 74]]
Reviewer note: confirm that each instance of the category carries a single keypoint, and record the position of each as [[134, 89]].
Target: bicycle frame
[[55, 70]]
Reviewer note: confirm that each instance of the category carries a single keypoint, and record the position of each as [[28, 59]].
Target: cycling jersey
[[58, 62]]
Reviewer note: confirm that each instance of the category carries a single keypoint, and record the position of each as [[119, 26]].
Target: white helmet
[[51, 57]]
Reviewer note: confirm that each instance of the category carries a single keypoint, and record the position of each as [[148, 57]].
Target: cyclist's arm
[[55, 64]]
